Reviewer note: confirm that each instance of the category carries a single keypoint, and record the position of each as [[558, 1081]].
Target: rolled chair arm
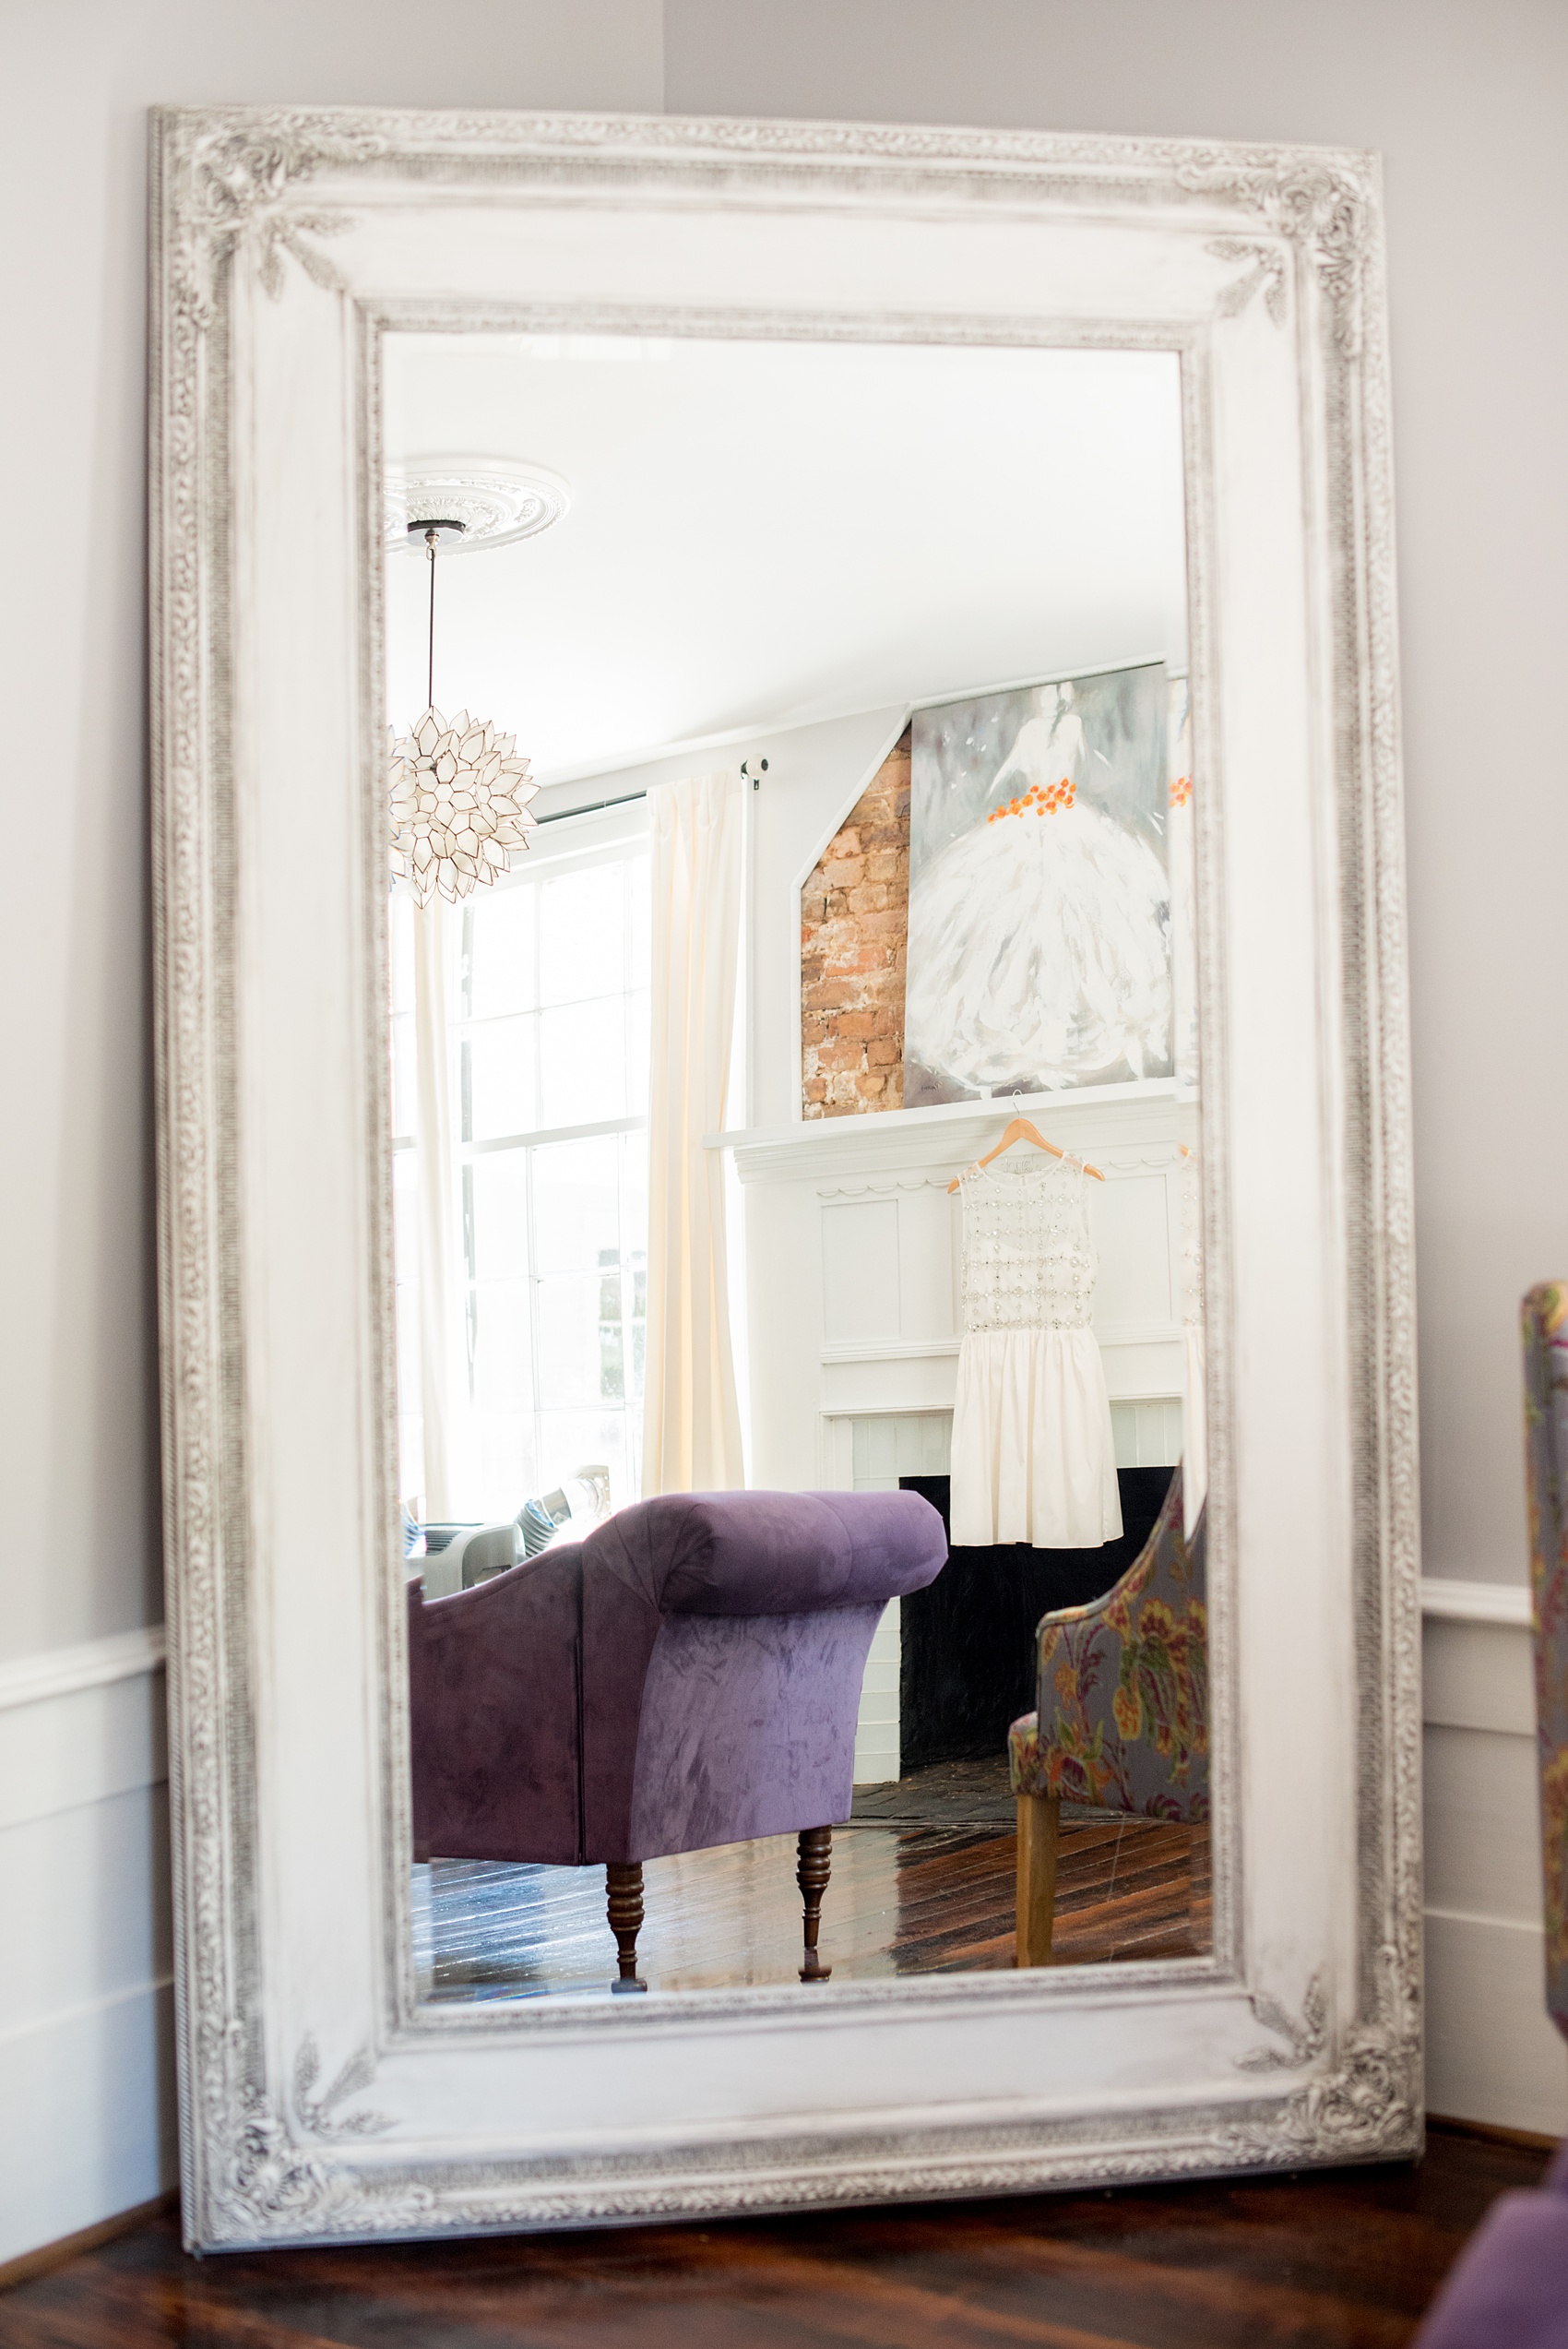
[[762, 1553]]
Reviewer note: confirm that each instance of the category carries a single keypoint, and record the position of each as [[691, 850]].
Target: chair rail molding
[[94, 1663], [1447, 1599]]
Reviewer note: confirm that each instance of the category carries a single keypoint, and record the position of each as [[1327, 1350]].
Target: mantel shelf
[[915, 1140]]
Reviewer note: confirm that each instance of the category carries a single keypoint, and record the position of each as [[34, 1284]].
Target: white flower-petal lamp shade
[[459, 792]]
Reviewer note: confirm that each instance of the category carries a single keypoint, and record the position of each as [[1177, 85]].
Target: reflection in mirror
[[794, 1030]]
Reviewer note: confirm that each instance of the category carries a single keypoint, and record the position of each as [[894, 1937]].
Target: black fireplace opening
[[968, 1662]]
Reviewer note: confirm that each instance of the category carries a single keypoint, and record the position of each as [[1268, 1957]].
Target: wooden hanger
[[1021, 1131]]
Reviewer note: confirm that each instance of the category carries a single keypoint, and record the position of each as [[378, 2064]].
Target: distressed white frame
[[286, 245]]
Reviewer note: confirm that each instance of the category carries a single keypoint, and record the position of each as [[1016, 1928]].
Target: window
[[547, 1067]]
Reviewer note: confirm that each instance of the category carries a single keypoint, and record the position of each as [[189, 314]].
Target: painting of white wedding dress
[[1040, 890]]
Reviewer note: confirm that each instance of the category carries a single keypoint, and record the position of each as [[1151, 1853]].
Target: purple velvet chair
[[688, 1675]]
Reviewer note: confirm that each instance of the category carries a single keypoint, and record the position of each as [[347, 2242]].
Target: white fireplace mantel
[[1133, 1118]]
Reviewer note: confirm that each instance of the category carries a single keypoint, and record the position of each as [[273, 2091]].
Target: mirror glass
[[795, 1088]]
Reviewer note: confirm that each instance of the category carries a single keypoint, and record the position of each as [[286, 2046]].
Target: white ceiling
[[764, 534]]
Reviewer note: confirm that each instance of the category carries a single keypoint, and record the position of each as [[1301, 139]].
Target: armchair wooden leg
[[1039, 1822], [623, 1886], [812, 1868]]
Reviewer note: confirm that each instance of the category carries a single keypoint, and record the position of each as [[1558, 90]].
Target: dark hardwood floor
[[1338, 2259], [923, 1882]]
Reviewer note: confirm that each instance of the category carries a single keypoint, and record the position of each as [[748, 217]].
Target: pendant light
[[459, 792]]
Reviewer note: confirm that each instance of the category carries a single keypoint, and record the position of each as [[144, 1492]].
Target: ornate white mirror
[[868, 989]]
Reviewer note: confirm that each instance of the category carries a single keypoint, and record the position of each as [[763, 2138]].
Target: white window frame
[[560, 845]]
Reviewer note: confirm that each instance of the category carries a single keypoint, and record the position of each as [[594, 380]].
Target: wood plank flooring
[[1337, 2259], [923, 1882]]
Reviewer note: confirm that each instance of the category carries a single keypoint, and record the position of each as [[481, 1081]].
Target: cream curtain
[[443, 1281], [691, 1418]]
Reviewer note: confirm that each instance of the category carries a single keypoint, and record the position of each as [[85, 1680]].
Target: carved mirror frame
[[318, 2099]]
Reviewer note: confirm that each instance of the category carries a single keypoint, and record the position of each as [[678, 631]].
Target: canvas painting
[[1040, 892]]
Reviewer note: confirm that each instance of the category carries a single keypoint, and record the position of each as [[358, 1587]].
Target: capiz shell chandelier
[[459, 792]]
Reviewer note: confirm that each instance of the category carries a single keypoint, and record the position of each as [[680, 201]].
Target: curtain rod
[[593, 808], [596, 807]]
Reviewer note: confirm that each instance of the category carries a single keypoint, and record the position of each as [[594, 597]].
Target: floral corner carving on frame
[[1368, 2105], [1322, 209], [1268, 272], [273, 2187], [232, 187]]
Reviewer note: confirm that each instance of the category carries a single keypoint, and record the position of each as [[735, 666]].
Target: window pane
[[640, 910], [582, 947], [498, 1079], [503, 1355], [633, 1223], [577, 1210], [498, 951], [570, 1370], [582, 1063], [497, 1187], [508, 1472], [573, 1439], [638, 1013], [410, 1464], [410, 1392]]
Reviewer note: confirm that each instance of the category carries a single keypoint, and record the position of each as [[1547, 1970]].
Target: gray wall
[[79, 1391], [1467, 101], [1466, 104]]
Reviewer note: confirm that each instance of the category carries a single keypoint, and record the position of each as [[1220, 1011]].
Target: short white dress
[[1033, 1454]]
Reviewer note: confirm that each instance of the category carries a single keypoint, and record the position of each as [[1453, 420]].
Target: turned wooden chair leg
[[812, 1868], [623, 1887], [1039, 1822]]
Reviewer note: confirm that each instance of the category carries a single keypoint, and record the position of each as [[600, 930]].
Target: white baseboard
[[1493, 2055], [89, 2104]]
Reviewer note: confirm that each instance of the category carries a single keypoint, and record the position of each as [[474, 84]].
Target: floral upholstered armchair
[[1510, 2283], [1545, 1330], [1122, 1711]]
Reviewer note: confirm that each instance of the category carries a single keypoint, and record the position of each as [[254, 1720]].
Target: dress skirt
[[1033, 1455]]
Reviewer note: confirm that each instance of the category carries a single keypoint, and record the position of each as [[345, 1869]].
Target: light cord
[[430, 539]]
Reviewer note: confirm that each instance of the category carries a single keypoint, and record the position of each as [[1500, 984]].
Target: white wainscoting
[[1492, 2053], [85, 2041], [85, 1995]]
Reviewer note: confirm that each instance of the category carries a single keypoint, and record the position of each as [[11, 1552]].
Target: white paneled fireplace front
[[852, 1248]]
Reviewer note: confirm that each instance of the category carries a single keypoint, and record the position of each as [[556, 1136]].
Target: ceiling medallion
[[494, 499]]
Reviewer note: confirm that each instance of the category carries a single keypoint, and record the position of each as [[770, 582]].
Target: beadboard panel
[[1492, 2053], [85, 1996], [81, 1726]]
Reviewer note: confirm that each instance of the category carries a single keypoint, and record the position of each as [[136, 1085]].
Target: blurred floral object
[[459, 805]]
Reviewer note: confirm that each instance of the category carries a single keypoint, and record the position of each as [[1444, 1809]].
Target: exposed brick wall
[[854, 925]]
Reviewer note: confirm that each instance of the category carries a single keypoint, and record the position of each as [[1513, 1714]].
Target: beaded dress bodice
[[1028, 1260]]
